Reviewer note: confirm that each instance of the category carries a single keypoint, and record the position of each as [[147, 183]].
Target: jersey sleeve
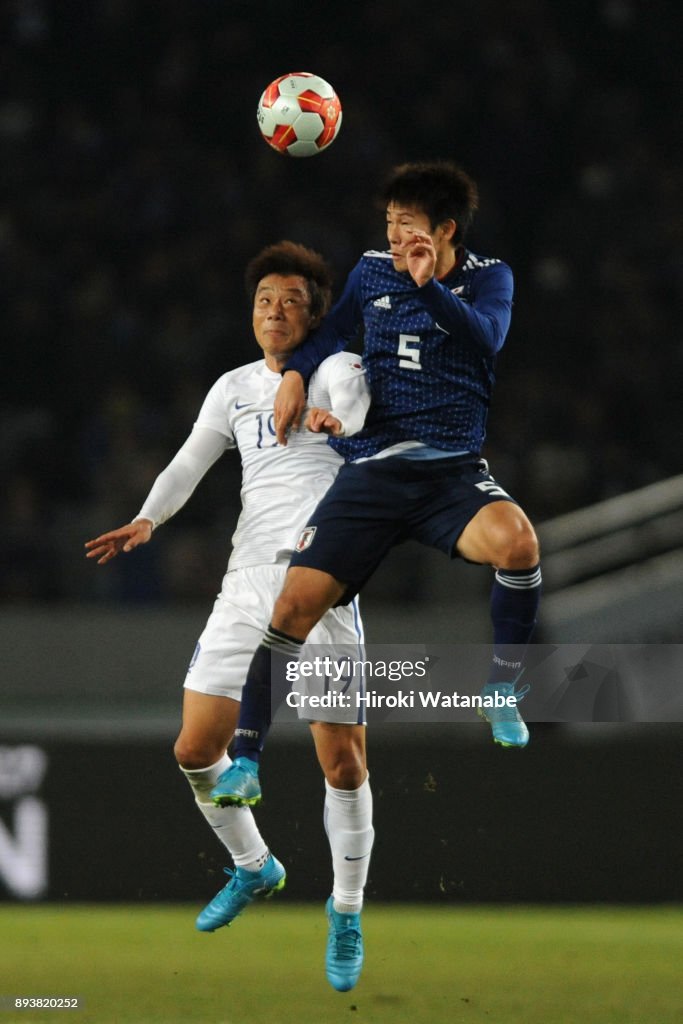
[[212, 434], [215, 411], [485, 318], [175, 484], [337, 329], [348, 389]]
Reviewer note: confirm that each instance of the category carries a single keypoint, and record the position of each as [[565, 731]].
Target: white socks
[[234, 826], [348, 823]]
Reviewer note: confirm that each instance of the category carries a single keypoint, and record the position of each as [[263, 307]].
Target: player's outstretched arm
[[126, 538], [289, 405], [320, 421]]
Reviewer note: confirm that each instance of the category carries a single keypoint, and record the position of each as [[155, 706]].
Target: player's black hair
[[441, 189], [291, 258]]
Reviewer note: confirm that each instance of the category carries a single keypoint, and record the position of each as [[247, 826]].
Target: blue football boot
[[507, 725], [238, 786], [344, 960], [239, 892]]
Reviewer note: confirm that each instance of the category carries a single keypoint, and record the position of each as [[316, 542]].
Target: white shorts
[[233, 631]]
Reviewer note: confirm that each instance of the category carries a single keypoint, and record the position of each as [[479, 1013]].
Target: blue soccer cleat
[[344, 960], [239, 892], [507, 725], [238, 786]]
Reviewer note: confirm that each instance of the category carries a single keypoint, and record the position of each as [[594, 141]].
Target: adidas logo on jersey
[[383, 303], [476, 262]]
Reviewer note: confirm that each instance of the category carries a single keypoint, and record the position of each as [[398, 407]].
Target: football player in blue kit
[[434, 315]]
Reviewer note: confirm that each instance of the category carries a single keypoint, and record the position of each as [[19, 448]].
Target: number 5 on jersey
[[493, 489], [409, 348]]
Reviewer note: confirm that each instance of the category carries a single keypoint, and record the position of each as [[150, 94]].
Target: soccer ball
[[299, 114]]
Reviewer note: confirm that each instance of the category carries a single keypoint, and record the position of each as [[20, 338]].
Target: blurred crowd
[[135, 187]]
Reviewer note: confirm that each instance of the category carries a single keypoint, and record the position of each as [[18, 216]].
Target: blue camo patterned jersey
[[429, 352]]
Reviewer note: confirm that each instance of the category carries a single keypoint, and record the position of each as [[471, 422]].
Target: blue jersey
[[429, 352]]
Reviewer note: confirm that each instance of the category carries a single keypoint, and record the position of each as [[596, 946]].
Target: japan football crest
[[306, 538]]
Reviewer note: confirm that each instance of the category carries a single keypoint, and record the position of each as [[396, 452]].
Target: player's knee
[[346, 770], [345, 776], [516, 547], [522, 550], [194, 754]]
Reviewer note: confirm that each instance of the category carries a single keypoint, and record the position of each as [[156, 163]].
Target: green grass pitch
[[424, 965]]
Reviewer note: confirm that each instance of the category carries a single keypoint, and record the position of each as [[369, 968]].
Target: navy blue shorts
[[374, 505]]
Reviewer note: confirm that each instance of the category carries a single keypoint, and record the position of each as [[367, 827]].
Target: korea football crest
[[306, 538]]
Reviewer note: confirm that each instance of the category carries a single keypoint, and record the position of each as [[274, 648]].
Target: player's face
[[282, 316], [402, 223]]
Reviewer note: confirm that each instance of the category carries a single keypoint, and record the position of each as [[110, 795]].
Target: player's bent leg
[[501, 535], [208, 725], [348, 822], [305, 597], [207, 728]]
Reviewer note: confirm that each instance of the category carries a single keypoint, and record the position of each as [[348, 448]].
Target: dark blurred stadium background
[[135, 187]]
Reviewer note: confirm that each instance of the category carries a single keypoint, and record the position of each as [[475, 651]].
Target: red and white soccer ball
[[299, 114]]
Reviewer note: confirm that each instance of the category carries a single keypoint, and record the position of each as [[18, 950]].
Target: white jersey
[[280, 485]]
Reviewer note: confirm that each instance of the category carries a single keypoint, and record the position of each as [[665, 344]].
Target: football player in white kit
[[290, 289]]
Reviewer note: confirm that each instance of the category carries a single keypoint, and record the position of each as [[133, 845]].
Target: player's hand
[[420, 256], [290, 402], [108, 545], [320, 421]]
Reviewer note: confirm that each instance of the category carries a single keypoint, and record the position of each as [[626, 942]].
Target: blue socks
[[268, 667], [515, 597]]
